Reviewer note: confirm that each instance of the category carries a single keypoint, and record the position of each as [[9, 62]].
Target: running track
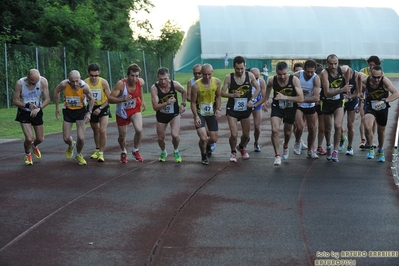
[[246, 213]]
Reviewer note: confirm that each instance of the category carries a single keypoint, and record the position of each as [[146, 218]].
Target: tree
[[77, 29], [107, 25], [170, 40]]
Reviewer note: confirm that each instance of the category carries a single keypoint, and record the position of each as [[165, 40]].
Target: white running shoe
[[297, 148]]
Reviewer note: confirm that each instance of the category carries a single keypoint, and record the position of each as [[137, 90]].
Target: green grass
[[10, 129]]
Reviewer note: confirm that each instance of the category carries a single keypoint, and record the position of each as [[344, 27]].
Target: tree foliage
[[170, 39], [80, 25], [77, 29]]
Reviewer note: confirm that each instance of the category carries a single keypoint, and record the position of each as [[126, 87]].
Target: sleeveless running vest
[[170, 109], [335, 83], [239, 104], [206, 98], [97, 91], [31, 96], [288, 90]]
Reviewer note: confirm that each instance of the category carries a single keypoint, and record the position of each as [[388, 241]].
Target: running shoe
[[204, 159], [28, 159], [162, 157], [80, 159], [233, 157], [208, 151], [297, 148], [362, 144], [349, 151], [286, 153], [312, 154], [303, 145], [95, 154], [177, 156], [123, 157], [213, 147], [100, 157], [370, 154], [374, 145], [69, 151], [243, 151], [137, 156], [334, 156], [381, 156], [37, 152], [321, 151], [277, 160], [256, 147], [342, 143], [329, 152]]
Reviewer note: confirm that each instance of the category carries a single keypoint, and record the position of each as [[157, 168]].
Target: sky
[[185, 12]]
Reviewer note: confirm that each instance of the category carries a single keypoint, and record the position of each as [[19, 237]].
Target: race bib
[[169, 109], [240, 104], [96, 94], [335, 97], [34, 101], [285, 104], [130, 104], [381, 107], [73, 101], [206, 109]]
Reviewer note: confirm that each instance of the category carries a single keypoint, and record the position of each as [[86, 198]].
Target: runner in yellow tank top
[[99, 119], [205, 105]]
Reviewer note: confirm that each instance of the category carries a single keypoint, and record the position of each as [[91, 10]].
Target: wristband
[[90, 112]]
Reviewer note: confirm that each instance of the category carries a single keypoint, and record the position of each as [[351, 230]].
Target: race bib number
[[206, 109], [335, 97], [130, 104], [240, 104], [307, 105], [34, 101], [169, 109], [285, 104], [381, 107], [96, 94], [73, 101]]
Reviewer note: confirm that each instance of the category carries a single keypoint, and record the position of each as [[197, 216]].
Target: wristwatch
[[100, 108], [253, 99], [184, 104]]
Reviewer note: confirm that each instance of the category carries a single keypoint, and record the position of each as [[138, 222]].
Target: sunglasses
[[197, 73], [376, 77], [94, 76], [32, 82]]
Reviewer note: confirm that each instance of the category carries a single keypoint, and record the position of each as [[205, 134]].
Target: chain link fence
[[54, 63]]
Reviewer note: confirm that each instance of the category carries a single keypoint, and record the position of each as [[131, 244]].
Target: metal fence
[[54, 63], [395, 159]]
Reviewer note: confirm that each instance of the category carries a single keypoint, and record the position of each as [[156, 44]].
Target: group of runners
[[313, 96]]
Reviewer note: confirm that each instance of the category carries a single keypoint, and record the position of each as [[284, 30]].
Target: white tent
[[288, 32]]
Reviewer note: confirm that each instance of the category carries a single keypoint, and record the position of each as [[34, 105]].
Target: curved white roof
[[287, 32]]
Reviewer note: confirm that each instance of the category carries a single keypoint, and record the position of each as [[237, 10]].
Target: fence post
[[37, 58], [145, 72], [6, 68], [65, 64], [109, 68]]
